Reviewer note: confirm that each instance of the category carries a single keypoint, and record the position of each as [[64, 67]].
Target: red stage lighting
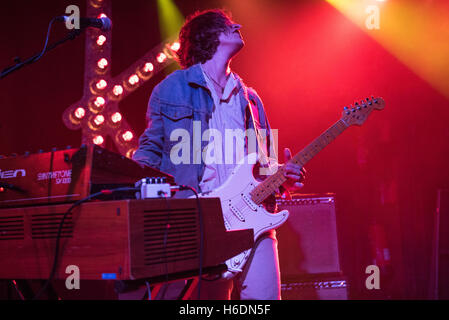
[[99, 102], [99, 119], [102, 63], [133, 79], [101, 40], [98, 140], [127, 136], [161, 57], [130, 153], [101, 84], [116, 117], [117, 90], [79, 113], [148, 67], [175, 46]]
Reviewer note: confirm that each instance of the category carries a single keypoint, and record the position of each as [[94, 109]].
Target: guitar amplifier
[[308, 243], [315, 289]]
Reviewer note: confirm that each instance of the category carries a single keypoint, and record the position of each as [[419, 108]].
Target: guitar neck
[[272, 183]]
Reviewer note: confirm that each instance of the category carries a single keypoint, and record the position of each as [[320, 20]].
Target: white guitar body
[[240, 212]]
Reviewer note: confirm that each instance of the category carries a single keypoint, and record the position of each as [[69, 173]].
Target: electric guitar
[[242, 195]]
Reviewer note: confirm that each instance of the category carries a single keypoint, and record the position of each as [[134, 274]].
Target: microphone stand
[[19, 64]]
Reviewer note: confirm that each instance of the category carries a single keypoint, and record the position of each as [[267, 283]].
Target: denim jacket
[[177, 101]]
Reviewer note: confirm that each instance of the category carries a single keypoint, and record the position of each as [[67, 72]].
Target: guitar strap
[[262, 142]]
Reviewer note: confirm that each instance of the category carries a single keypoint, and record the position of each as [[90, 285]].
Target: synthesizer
[[68, 175]]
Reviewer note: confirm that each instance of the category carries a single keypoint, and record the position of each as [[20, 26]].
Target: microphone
[[104, 24]]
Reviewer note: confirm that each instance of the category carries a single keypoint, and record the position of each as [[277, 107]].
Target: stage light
[[412, 31], [133, 79], [102, 63], [103, 96], [101, 84], [170, 18], [161, 57], [101, 40], [148, 67], [175, 46], [117, 90], [96, 3], [98, 140], [146, 71], [99, 102], [116, 117], [79, 113], [130, 153], [127, 136], [99, 120]]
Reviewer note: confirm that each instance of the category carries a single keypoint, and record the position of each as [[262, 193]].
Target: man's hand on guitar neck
[[294, 173]]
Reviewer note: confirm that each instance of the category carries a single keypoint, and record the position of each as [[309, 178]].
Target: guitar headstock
[[357, 114]]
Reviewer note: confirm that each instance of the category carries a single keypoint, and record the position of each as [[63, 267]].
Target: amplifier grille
[[45, 226], [12, 228], [170, 235]]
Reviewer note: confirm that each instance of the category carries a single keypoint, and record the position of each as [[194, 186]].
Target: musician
[[208, 92]]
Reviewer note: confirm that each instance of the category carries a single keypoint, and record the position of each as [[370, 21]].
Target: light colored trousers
[[260, 279]]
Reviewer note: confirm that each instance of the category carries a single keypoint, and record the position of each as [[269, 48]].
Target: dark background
[[306, 61]]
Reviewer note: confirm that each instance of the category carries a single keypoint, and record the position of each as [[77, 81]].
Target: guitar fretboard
[[274, 181]]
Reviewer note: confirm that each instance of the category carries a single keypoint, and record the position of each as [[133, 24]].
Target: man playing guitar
[[206, 98]]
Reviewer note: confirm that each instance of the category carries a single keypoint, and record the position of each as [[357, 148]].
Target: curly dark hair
[[198, 37]]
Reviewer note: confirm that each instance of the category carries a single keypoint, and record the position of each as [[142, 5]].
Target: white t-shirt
[[225, 135]]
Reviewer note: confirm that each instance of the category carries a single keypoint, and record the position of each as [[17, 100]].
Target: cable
[[164, 244], [58, 236], [19, 64], [148, 290], [200, 217], [46, 39]]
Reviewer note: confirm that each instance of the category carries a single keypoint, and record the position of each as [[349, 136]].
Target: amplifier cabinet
[[317, 289], [308, 241]]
